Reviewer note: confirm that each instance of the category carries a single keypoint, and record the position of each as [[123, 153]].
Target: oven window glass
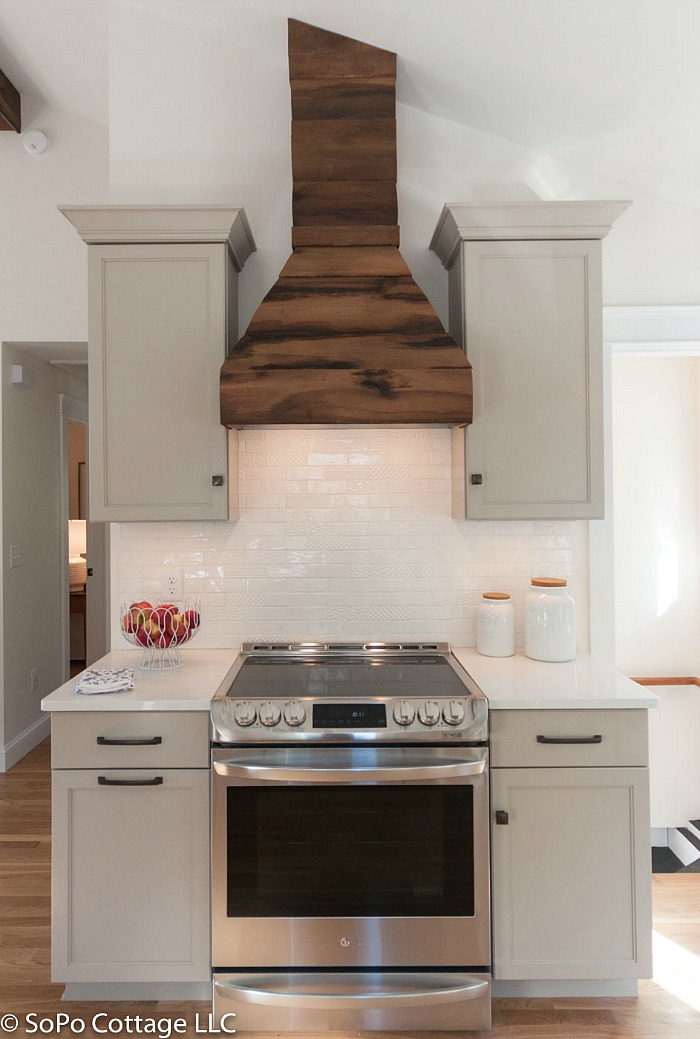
[[350, 851]]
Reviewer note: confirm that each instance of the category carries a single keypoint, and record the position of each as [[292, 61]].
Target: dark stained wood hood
[[345, 336]]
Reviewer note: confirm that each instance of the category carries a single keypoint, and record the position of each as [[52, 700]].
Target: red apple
[[128, 623], [150, 631], [139, 612], [163, 616], [179, 628], [191, 619]]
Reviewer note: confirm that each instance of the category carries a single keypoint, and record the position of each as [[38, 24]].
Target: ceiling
[[55, 53], [611, 85], [69, 357]]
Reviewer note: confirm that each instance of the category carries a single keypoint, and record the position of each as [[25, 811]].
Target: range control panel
[[273, 720]]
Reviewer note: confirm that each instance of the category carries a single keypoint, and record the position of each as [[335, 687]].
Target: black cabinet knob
[[501, 818]]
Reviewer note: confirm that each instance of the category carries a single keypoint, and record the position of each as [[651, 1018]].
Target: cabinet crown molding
[[111, 225], [522, 220]]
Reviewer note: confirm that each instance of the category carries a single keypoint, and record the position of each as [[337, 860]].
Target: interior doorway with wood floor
[[86, 548]]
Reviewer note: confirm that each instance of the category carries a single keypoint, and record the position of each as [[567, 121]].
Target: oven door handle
[[356, 774], [348, 1000]]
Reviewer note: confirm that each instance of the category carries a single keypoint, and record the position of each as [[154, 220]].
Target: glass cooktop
[[343, 676]]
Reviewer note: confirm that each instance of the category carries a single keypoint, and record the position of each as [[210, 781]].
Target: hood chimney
[[345, 336]]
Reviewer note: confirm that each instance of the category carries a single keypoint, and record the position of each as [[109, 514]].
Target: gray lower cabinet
[[130, 874], [570, 845]]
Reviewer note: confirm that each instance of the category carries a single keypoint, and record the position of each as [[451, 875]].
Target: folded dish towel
[[106, 680]]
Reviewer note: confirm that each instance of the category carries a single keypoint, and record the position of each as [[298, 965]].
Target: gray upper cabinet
[[162, 298], [526, 303]]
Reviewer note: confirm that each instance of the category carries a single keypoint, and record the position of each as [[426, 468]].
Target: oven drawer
[[130, 739], [538, 739], [392, 1001]]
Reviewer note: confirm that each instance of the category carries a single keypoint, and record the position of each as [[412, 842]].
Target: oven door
[[350, 857]]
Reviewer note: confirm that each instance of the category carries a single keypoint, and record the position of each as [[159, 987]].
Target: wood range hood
[[345, 336]]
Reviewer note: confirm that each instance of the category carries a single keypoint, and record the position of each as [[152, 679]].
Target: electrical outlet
[[173, 584], [33, 679], [15, 556]]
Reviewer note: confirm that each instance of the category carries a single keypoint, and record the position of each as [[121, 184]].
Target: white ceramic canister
[[495, 625], [550, 620]]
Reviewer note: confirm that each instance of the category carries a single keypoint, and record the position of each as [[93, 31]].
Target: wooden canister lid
[[548, 582], [496, 595]]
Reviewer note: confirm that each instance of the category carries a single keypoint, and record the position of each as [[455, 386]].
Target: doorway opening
[[85, 549], [77, 545]]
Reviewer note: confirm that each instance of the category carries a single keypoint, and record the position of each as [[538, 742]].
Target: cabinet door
[[533, 333], [130, 874], [157, 340], [571, 873]]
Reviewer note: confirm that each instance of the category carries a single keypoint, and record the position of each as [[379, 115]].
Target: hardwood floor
[[667, 1008]]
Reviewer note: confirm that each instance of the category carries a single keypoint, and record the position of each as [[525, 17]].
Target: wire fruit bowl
[[160, 630]]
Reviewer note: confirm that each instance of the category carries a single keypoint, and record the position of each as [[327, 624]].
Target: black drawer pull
[[153, 741], [103, 781], [501, 818], [569, 739]]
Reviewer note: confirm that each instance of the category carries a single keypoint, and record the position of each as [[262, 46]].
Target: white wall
[[200, 112], [655, 457], [31, 482], [673, 756], [43, 265], [345, 534]]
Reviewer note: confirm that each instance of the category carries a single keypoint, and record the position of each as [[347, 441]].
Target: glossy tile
[[344, 534]]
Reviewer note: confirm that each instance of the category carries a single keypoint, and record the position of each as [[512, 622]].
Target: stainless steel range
[[350, 840]]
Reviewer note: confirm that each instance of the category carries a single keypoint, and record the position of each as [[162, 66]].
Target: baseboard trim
[[546, 989], [137, 991], [15, 750]]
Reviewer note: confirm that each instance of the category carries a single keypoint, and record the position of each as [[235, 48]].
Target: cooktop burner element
[[344, 692]]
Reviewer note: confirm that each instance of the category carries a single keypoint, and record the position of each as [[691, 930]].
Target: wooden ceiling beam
[[10, 105]]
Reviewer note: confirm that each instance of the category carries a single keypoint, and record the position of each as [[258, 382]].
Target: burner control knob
[[404, 713], [270, 713], [429, 712], [453, 713], [244, 713], [294, 713]]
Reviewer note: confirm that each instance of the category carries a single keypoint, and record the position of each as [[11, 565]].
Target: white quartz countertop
[[189, 687], [509, 683], [518, 683]]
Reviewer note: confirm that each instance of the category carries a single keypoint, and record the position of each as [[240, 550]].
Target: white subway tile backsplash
[[344, 534]]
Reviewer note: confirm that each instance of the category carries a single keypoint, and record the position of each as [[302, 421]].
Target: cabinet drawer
[[531, 739], [174, 739]]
